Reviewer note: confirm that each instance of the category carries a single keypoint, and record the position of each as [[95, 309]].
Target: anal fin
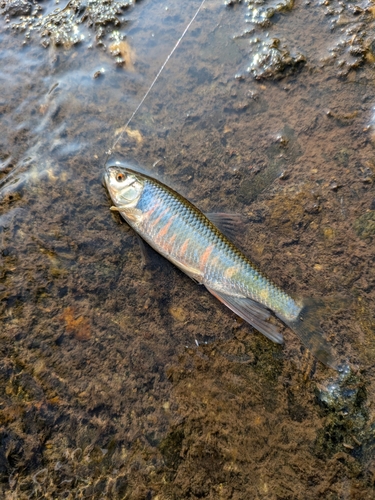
[[252, 312]]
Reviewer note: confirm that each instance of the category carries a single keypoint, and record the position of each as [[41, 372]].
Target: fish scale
[[179, 231], [191, 224]]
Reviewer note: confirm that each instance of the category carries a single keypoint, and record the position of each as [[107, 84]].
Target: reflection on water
[[100, 397]]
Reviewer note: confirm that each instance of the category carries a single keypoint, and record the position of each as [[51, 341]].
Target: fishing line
[[109, 152]]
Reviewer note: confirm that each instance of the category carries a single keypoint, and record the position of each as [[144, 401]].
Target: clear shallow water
[[100, 397]]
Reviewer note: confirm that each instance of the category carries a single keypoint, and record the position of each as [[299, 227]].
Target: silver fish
[[180, 232]]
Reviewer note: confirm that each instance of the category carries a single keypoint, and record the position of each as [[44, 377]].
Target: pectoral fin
[[129, 214], [252, 312], [148, 254]]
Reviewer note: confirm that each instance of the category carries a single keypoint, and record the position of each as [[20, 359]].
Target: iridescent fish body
[[179, 231]]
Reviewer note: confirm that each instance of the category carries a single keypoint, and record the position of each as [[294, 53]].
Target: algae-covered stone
[[275, 62], [170, 447], [364, 226], [259, 12], [343, 400], [16, 7], [77, 21]]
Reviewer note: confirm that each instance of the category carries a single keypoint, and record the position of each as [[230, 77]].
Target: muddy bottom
[[125, 380]]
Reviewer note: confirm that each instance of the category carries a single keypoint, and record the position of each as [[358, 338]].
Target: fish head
[[124, 186]]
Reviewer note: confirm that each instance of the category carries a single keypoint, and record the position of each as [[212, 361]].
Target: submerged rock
[[15, 7], [274, 61], [364, 226], [343, 400], [260, 12], [78, 21], [270, 57], [354, 24]]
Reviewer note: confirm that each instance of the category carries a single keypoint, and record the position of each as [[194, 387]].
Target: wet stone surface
[[15, 8], [275, 61], [104, 392], [365, 225], [270, 58], [354, 24], [275, 54], [97, 23]]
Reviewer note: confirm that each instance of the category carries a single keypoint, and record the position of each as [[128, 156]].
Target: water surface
[[269, 113]]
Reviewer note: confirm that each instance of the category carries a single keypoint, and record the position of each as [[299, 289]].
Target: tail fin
[[308, 329]]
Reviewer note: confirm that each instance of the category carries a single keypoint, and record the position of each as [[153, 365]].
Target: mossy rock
[[364, 226], [170, 447]]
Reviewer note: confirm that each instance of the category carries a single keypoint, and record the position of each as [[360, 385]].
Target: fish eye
[[120, 177]]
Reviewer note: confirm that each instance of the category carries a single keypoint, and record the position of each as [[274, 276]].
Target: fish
[[193, 242]]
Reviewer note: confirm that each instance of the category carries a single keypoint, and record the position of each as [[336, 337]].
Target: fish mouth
[[105, 179], [108, 177], [106, 182]]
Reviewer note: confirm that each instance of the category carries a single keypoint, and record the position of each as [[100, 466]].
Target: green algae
[[365, 317], [171, 446], [364, 226]]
